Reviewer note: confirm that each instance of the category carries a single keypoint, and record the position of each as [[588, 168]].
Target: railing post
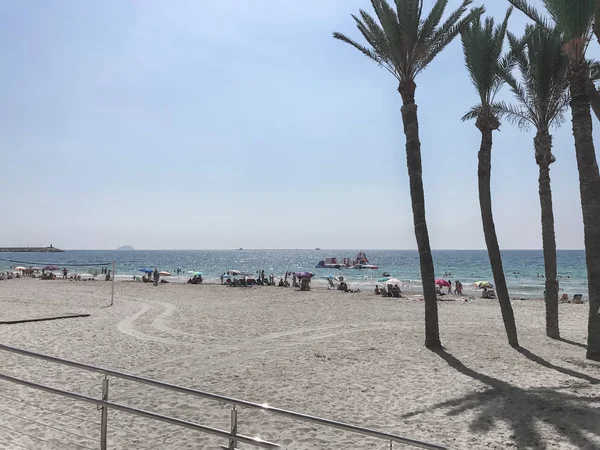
[[112, 288], [104, 414], [234, 428]]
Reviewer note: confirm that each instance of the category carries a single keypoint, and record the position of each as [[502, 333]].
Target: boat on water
[[361, 262], [330, 263]]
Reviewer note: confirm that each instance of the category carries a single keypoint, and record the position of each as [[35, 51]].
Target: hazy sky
[[243, 123]]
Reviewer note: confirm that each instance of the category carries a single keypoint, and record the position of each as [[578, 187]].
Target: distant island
[[50, 249], [126, 247]]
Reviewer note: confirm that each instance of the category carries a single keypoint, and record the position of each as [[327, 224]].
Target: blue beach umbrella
[[383, 280], [146, 270], [197, 274]]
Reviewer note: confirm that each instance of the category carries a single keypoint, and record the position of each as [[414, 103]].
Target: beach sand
[[357, 358]]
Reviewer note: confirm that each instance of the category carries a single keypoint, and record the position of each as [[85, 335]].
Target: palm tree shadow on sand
[[574, 417]]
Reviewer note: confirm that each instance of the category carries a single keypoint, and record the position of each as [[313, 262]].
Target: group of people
[[151, 276], [392, 290], [458, 288]]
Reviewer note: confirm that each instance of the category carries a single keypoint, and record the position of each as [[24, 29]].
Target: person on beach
[[64, 273], [156, 276], [449, 287], [222, 278], [377, 291], [458, 287]]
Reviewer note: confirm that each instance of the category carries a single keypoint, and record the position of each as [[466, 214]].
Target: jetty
[[50, 249]]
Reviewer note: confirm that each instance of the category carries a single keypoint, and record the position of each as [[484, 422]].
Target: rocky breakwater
[[30, 249]]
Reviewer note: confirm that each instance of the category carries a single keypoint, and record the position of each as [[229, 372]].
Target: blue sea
[[521, 266]]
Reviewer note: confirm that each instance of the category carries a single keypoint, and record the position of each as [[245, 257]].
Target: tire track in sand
[[127, 325]]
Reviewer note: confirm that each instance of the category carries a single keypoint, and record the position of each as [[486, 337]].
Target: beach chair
[[577, 298], [491, 293]]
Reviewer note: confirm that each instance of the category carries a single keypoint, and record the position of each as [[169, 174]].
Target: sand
[[357, 358]]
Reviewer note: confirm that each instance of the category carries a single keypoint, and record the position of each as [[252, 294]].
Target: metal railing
[[232, 435]]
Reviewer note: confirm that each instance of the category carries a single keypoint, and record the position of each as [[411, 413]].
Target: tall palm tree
[[404, 45], [575, 20], [597, 21], [482, 47], [542, 98]]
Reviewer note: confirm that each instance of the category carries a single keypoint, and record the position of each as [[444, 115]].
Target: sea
[[523, 268]]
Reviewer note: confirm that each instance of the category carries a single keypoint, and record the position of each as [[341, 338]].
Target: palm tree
[[482, 47], [404, 45], [575, 20], [541, 101]]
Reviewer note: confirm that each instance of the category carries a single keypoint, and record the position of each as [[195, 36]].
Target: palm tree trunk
[[593, 97], [544, 157], [417, 196], [589, 186], [489, 229]]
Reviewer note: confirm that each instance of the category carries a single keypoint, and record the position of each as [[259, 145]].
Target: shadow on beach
[[574, 417]]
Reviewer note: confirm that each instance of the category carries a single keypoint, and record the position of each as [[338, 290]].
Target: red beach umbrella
[[442, 283]]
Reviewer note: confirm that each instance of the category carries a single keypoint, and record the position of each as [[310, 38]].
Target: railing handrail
[[224, 399], [140, 412]]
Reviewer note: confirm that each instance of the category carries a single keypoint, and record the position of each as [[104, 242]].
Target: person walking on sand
[[449, 287], [64, 273], [156, 276], [457, 287]]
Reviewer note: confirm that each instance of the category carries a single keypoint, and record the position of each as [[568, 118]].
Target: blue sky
[[228, 123]]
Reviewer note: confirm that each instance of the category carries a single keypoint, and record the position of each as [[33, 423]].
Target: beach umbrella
[[20, 268], [329, 277], [393, 281], [483, 284], [226, 276], [383, 280], [197, 274], [50, 268], [164, 274], [442, 283], [303, 274], [234, 272], [146, 270]]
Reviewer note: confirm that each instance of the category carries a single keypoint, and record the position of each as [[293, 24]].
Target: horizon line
[[310, 249]]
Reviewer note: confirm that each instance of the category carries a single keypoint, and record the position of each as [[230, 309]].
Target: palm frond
[[515, 115], [400, 41], [541, 91], [473, 113], [531, 12], [574, 18], [482, 49], [446, 34], [367, 52], [433, 20]]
